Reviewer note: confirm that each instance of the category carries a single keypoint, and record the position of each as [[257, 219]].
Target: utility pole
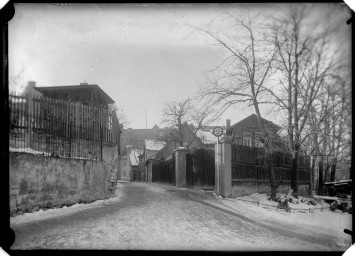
[[145, 111], [146, 137]]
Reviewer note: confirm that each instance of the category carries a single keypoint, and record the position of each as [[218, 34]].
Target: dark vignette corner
[[7, 235]]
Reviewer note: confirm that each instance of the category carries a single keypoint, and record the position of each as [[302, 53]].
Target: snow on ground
[[325, 221], [152, 217], [59, 212], [263, 198], [28, 150], [35, 152]]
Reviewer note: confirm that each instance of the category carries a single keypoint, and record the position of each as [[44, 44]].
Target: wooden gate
[[135, 175], [164, 170], [200, 168]]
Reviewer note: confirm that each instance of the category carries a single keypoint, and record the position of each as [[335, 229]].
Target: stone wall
[[48, 182]]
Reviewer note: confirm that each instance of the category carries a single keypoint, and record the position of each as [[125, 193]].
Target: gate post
[[150, 168], [180, 167], [223, 169]]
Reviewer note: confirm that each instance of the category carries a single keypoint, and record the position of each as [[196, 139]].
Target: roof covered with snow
[[133, 156], [154, 144]]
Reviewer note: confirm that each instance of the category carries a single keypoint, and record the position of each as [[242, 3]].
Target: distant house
[[136, 137], [89, 94], [151, 148], [31, 90], [141, 139], [129, 164], [247, 132], [189, 137]]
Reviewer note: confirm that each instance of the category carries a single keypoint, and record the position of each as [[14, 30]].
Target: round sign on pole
[[218, 131]]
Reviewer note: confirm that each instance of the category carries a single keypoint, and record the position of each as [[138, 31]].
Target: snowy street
[[147, 216]]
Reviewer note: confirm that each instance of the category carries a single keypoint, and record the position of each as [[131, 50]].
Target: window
[[247, 139], [247, 142], [238, 140]]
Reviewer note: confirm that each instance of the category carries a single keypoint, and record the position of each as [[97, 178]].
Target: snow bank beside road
[[323, 222], [263, 198]]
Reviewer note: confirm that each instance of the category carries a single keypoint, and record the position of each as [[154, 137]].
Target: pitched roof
[[251, 122], [137, 136], [77, 89], [211, 127]]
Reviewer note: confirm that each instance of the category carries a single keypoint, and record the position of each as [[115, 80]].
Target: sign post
[[217, 131]]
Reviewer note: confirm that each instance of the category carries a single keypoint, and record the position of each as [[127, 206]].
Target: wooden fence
[[164, 170], [248, 164], [60, 127]]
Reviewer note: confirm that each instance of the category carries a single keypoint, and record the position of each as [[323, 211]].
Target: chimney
[[228, 123], [31, 84], [85, 83]]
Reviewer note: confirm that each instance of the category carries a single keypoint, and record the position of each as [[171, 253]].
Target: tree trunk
[[314, 174], [310, 173], [333, 169], [273, 183], [294, 172], [269, 159], [181, 141], [320, 181], [326, 173]]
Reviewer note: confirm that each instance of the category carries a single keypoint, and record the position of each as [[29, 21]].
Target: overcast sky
[[140, 55]]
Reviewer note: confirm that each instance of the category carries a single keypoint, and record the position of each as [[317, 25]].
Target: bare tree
[[241, 76], [304, 64], [121, 116], [334, 133], [179, 114], [200, 118], [302, 60], [329, 136], [176, 114]]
